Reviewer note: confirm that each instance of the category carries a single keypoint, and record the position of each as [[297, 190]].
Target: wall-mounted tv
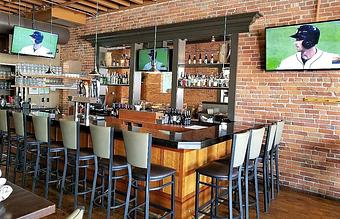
[[33, 42], [309, 46], [145, 57]]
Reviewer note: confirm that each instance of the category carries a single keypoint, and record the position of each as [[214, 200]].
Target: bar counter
[[179, 147]]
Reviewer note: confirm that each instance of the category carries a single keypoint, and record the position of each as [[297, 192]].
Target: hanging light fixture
[[154, 69], [95, 69], [49, 70]]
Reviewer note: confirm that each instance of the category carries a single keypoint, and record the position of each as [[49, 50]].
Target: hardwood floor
[[289, 204]]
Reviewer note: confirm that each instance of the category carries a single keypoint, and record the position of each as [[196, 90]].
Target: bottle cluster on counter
[[202, 80], [117, 106], [115, 79], [177, 117]]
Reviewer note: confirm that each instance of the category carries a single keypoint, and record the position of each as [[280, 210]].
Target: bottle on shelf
[[202, 80], [194, 60], [212, 58], [206, 58], [189, 60], [200, 59]]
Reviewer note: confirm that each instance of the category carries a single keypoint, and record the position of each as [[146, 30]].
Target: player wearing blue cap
[[158, 65], [308, 56], [37, 48]]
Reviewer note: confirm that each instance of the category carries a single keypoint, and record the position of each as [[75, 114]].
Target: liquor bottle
[[200, 59], [212, 58], [189, 60], [206, 59], [194, 61]]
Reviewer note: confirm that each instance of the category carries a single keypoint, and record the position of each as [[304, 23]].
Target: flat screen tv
[[33, 42], [145, 57], [309, 46]]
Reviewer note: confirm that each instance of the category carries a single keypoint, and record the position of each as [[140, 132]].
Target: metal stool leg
[[173, 196], [147, 199], [256, 191], [62, 186], [136, 198], [240, 192], [128, 193], [230, 198], [109, 192], [265, 184], [197, 192], [246, 177], [76, 183], [272, 173], [93, 186], [36, 168], [48, 170], [277, 169]]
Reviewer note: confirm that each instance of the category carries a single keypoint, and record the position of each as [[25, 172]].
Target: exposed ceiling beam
[[7, 9], [107, 4], [138, 2], [92, 5], [34, 2], [23, 4], [122, 2], [83, 8]]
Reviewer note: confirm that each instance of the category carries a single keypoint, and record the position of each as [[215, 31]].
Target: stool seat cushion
[[216, 169], [118, 161], [85, 153], [157, 172]]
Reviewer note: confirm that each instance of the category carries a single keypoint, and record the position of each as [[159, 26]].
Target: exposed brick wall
[[310, 154]]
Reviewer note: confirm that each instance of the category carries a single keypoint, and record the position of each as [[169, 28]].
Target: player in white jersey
[[308, 56], [37, 48]]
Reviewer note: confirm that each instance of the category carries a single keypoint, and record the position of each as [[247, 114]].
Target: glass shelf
[[206, 88]]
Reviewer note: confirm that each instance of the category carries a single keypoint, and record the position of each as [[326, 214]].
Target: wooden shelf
[[59, 87], [206, 88], [115, 67], [57, 77], [215, 65], [124, 85]]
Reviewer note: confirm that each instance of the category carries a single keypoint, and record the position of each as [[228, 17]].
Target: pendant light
[[95, 69]]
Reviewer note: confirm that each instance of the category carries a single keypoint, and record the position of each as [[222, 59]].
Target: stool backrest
[[70, 133], [3, 121], [270, 136], [41, 126], [102, 140], [138, 148], [239, 148], [18, 118], [279, 131], [255, 142]]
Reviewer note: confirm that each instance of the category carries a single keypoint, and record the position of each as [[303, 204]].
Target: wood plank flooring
[[289, 204]]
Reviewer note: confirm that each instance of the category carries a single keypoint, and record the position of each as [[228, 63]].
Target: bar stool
[[79, 159], [138, 154], [103, 148], [5, 136], [50, 152], [229, 171], [25, 146], [251, 165], [274, 157], [264, 158]]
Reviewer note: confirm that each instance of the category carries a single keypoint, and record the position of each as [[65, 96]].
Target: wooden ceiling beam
[[4, 9], [22, 4], [107, 4], [83, 8], [121, 2], [34, 2], [92, 5], [138, 2]]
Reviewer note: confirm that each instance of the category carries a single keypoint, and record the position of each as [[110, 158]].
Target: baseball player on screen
[[308, 56], [36, 48]]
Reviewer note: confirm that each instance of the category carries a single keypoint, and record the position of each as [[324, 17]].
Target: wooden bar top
[[25, 204]]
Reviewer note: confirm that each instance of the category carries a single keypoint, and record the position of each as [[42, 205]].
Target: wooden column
[[232, 77]]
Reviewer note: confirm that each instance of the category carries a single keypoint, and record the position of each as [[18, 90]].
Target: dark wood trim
[[232, 77], [195, 30]]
